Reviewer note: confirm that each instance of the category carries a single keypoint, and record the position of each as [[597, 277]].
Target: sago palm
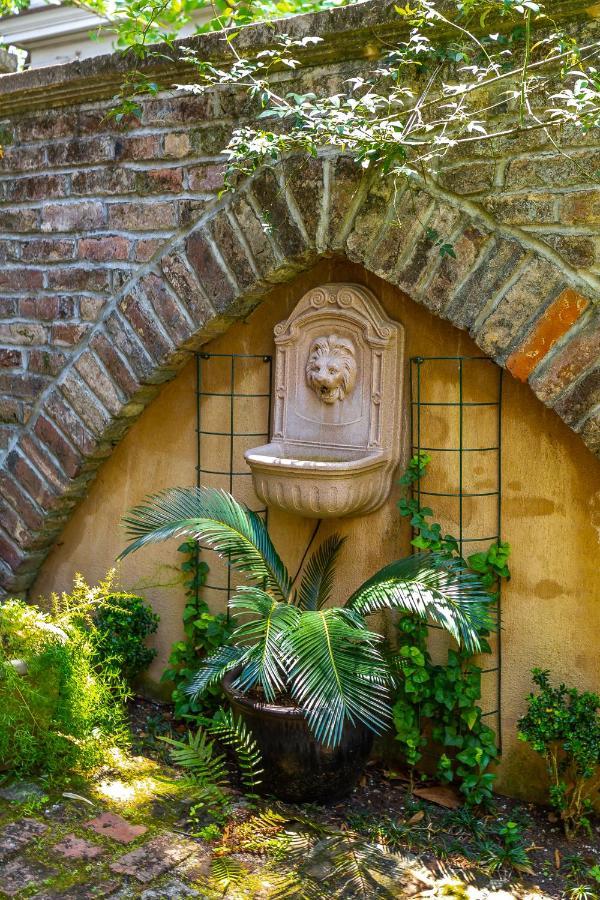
[[287, 640]]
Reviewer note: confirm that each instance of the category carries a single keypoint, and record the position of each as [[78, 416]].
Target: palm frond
[[431, 587], [266, 662], [215, 667], [235, 734], [216, 518], [337, 673], [317, 581]]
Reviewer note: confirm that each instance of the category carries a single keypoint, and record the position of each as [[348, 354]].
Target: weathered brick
[[580, 251], [130, 346], [109, 181], [85, 403], [31, 480], [494, 269], [256, 237], [19, 220], [232, 251], [83, 216], [46, 362], [453, 269], [49, 435], [91, 307], [169, 312], [590, 432], [101, 249], [21, 279], [209, 140], [159, 181], [177, 144], [15, 528], [98, 381], [23, 159], [569, 363], [189, 211], [67, 334], [118, 370], [59, 410], [26, 385], [552, 169], [37, 187], [140, 314], [581, 399], [146, 248], [206, 179], [11, 490], [186, 286], [13, 555], [304, 178], [154, 216], [96, 149], [78, 279], [274, 205], [580, 207], [346, 180], [535, 288], [554, 323], [39, 457], [11, 411], [146, 146], [424, 257], [23, 333], [522, 209], [43, 127], [471, 178], [47, 250], [211, 274], [10, 359], [8, 307], [177, 111], [47, 308]]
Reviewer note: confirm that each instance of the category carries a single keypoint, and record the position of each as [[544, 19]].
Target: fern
[[227, 872], [235, 734]]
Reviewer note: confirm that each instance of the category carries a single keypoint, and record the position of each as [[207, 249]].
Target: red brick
[[11, 411], [115, 366], [41, 459], [47, 308], [21, 279], [556, 321], [96, 149], [47, 250], [25, 385], [99, 382], [142, 319], [50, 436], [154, 216], [91, 307], [59, 410], [581, 399], [10, 553], [101, 249], [31, 480], [23, 159], [184, 283], [130, 346], [215, 282], [23, 334], [166, 308], [67, 334], [42, 127], [19, 220], [81, 216], [206, 179], [569, 363], [110, 180], [145, 146], [46, 362], [75, 279], [159, 181], [85, 403], [116, 827], [145, 249], [176, 111], [10, 359], [11, 490], [38, 187]]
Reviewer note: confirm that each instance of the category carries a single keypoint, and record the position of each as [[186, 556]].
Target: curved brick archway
[[507, 289]]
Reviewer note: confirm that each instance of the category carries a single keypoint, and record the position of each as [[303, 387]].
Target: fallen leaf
[[440, 794], [552, 817], [527, 870], [418, 817], [395, 776], [557, 858], [71, 796]]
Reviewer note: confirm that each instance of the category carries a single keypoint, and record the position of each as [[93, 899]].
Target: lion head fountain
[[336, 433]]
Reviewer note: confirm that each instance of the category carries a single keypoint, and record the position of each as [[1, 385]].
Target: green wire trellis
[[420, 368]]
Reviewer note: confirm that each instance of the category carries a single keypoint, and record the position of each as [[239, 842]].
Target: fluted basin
[[320, 484]]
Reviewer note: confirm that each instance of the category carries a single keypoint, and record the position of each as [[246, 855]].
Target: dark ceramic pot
[[298, 768]]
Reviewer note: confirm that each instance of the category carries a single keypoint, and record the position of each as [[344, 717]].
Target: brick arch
[[514, 295]]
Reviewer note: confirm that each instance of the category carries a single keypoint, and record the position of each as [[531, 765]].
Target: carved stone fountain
[[338, 381]]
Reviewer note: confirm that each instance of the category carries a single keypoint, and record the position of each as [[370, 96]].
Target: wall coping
[[351, 32]]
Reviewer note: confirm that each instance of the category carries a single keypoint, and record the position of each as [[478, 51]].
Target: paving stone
[[21, 792], [116, 827], [155, 857], [18, 835], [81, 892], [19, 874], [174, 890], [196, 866], [76, 848]]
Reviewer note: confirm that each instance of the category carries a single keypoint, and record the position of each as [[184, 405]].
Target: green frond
[[214, 517], [266, 662], [317, 581], [337, 673], [235, 734], [227, 872], [196, 753], [431, 587], [215, 667]]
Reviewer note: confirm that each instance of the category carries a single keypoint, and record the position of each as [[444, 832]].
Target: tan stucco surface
[[550, 503]]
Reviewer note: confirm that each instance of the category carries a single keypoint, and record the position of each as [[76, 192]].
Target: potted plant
[[311, 681]]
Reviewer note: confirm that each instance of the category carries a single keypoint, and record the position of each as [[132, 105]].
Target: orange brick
[[557, 320]]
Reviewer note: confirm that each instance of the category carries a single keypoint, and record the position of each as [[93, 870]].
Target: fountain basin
[[320, 483]]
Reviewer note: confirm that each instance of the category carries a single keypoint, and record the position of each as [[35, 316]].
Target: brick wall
[[118, 257]]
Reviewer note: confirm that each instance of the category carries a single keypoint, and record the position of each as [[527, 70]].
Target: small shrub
[[65, 713], [120, 630], [563, 726]]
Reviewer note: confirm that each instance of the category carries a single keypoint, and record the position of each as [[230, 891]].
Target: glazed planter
[[296, 767]]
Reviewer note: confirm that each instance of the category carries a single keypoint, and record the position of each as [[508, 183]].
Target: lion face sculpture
[[331, 367]]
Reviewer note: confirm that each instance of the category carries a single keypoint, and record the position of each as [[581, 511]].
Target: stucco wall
[[551, 510]]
